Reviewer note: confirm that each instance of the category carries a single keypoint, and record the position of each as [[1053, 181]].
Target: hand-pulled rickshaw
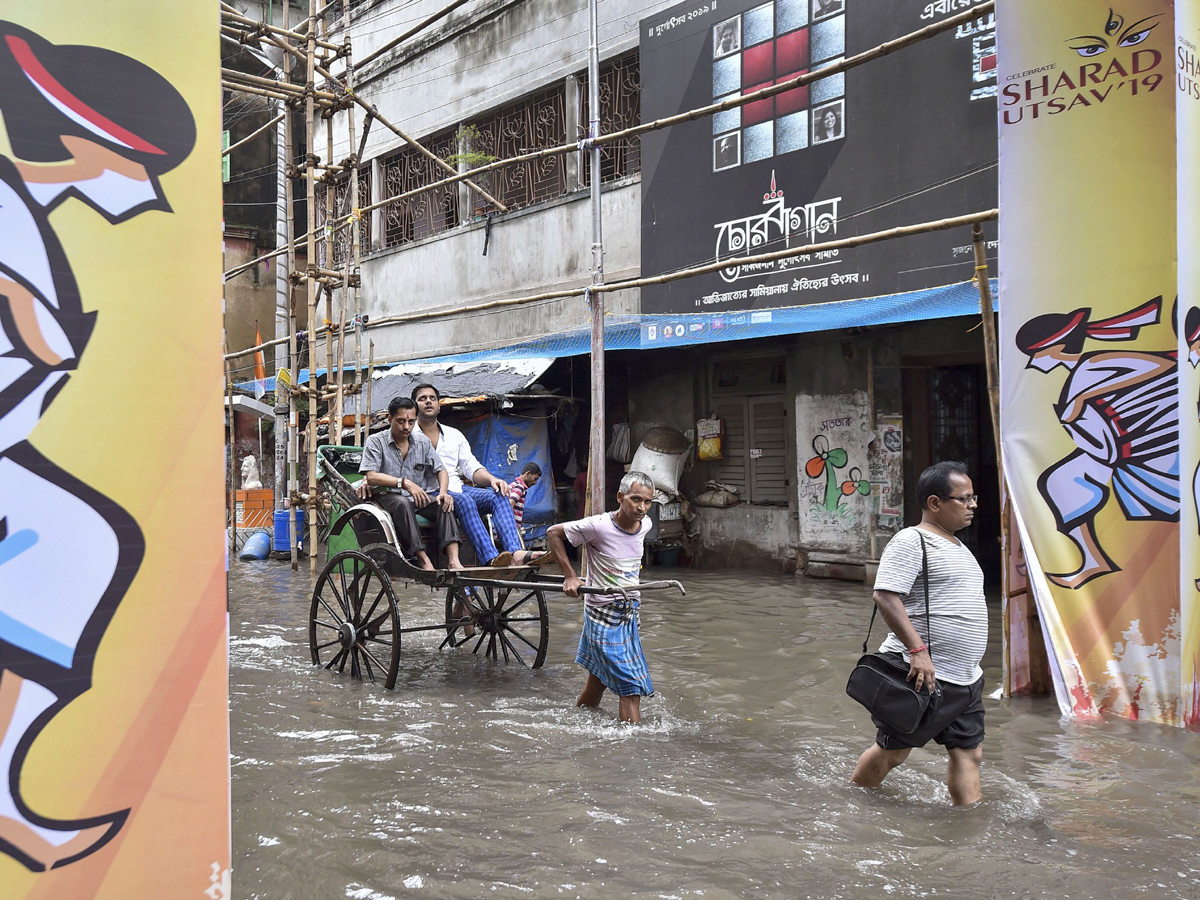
[[355, 619]]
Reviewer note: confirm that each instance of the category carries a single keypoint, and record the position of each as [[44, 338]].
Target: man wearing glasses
[[955, 633]]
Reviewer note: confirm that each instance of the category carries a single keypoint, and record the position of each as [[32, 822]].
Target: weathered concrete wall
[[531, 251], [489, 53], [832, 472], [747, 537], [250, 296]]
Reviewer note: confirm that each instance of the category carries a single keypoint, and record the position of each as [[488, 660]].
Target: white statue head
[[250, 478]]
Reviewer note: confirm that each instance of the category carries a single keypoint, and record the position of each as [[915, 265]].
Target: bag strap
[[925, 573]]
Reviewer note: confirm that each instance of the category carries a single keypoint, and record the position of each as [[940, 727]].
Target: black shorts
[[958, 723]]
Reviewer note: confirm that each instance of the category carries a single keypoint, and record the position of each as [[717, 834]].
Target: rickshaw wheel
[[511, 624], [354, 619]]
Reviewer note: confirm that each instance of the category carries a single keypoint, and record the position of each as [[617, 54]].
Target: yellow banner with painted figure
[[1089, 380], [1187, 117], [113, 672]]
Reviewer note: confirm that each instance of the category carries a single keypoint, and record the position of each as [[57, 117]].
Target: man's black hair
[[421, 387], [399, 403], [935, 481], [531, 468]]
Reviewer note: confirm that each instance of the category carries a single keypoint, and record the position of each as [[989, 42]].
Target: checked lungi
[[611, 648]]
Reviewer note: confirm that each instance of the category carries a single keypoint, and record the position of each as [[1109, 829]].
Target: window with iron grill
[[427, 213], [341, 208], [533, 123], [620, 108]]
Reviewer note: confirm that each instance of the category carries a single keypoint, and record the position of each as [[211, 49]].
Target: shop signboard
[[909, 137]]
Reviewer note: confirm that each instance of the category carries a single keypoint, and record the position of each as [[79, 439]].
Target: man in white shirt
[[476, 491]]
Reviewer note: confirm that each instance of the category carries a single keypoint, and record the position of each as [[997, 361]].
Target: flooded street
[[476, 779]]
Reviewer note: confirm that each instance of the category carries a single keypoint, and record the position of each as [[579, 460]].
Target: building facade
[[825, 424]]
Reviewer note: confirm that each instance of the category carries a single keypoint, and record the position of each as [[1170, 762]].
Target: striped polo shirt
[[958, 626]]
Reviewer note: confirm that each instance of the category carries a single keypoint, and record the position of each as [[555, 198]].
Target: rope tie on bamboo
[[586, 143], [978, 269], [587, 297]]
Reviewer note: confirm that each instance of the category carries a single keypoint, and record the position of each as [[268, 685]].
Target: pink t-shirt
[[614, 557]]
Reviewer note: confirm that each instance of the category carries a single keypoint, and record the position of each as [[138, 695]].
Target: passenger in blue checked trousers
[[476, 491]]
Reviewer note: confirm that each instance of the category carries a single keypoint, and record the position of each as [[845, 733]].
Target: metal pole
[[596, 473]]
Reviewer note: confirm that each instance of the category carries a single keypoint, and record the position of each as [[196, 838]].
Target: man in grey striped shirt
[[955, 633]]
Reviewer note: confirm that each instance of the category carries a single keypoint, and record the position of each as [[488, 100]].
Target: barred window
[[533, 123], [341, 208], [620, 108], [427, 213]]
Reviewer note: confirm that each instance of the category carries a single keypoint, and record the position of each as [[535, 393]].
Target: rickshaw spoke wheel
[[354, 619], [512, 625]]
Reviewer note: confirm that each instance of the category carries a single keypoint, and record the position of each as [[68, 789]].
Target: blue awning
[[669, 330]]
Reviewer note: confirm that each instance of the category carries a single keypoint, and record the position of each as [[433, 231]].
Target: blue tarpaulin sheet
[[504, 444]]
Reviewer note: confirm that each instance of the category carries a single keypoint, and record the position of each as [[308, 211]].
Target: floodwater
[[476, 779]]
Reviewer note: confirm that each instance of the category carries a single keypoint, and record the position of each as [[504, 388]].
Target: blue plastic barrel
[[282, 520], [257, 546]]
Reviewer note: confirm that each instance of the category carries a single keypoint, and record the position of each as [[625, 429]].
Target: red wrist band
[[915, 650]]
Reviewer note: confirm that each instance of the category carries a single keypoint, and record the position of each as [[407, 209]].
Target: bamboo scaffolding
[[733, 102], [808, 78], [309, 44], [230, 12]]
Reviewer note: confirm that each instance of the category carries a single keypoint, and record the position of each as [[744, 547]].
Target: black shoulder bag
[[880, 680]]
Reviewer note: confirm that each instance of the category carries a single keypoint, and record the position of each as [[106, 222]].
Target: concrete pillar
[[574, 132], [378, 191]]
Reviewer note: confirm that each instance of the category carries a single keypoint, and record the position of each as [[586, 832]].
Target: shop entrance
[[947, 417]]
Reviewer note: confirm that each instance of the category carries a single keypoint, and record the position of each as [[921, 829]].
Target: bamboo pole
[[255, 133], [251, 89], [608, 287], [311, 195], [336, 404], [992, 367], [990, 345], [433, 158], [370, 382], [230, 12], [293, 349]]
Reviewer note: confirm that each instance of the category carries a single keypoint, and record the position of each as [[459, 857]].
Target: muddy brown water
[[475, 779]]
